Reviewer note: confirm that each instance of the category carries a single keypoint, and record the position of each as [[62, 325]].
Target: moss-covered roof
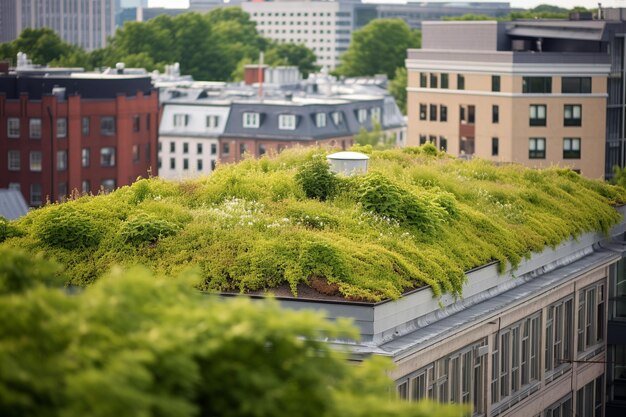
[[418, 218]]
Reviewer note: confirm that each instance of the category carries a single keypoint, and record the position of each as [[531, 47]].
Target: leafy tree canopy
[[41, 46], [543, 11], [397, 88], [379, 48], [138, 345]]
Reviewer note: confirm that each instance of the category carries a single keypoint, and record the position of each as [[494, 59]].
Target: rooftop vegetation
[[417, 218]]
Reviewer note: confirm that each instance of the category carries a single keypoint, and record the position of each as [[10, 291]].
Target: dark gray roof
[[12, 204], [559, 29]]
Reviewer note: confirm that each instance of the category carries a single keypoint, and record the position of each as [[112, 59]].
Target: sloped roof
[[12, 204]]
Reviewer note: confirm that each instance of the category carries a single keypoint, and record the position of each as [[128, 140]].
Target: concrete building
[[528, 92], [86, 23], [65, 132]]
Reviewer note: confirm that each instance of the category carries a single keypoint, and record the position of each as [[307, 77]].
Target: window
[[537, 114], [375, 115], [433, 80], [590, 317], [15, 186], [85, 126], [471, 114], [199, 149], [35, 194], [423, 80], [537, 85], [495, 146], [107, 157], [61, 127], [589, 398], [213, 164], [466, 146], [85, 157], [571, 148], [287, 122], [537, 148], [423, 110], [213, 148], [61, 191], [14, 160], [185, 147], [212, 121], [199, 165], [495, 83], [337, 118], [561, 408], [35, 161], [172, 147], [462, 116], [262, 149], [495, 114], [559, 333], [181, 120], [61, 160], [251, 120], [136, 123], [86, 186], [13, 127], [362, 115], [243, 148], [107, 125], [443, 113], [172, 163], [225, 149], [185, 164], [443, 143], [433, 112], [136, 154], [107, 185], [422, 140], [572, 115], [320, 119], [576, 85], [34, 128], [444, 80], [460, 82]]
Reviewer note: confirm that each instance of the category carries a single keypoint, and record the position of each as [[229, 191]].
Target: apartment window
[[181, 120], [495, 146], [433, 80], [572, 115], [107, 125], [495, 83], [185, 164], [107, 185], [495, 114], [576, 85], [460, 82], [159, 162], [466, 145], [376, 115], [199, 149], [462, 115], [61, 127], [34, 128], [213, 149], [423, 110], [433, 112], [443, 113], [61, 191], [185, 147], [537, 114], [589, 398], [444, 80], [537, 85], [212, 121], [262, 149], [15, 186], [337, 118], [243, 148], [287, 121], [362, 115], [471, 114], [515, 358], [320, 119], [136, 154], [225, 149], [590, 317], [537, 148], [85, 157], [199, 165], [251, 120], [213, 164], [443, 143], [559, 333], [172, 163], [85, 126], [107, 157], [423, 80], [561, 408], [85, 186], [433, 139], [35, 194], [14, 160], [172, 147], [13, 127], [571, 148], [61, 160], [35, 161]]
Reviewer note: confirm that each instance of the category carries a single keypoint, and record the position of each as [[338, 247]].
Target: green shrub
[[146, 228], [69, 227], [7, 230], [316, 178]]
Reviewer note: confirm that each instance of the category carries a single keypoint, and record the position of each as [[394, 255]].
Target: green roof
[[417, 218]]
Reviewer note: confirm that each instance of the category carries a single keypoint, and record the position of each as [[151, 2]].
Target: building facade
[[75, 133], [492, 90]]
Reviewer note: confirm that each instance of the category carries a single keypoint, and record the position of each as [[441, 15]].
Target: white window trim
[[13, 127], [320, 119], [287, 121], [251, 120]]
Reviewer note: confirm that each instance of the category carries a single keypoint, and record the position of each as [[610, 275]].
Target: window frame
[[107, 156], [572, 120], [13, 127], [35, 161], [34, 128], [537, 121], [287, 122], [105, 129], [14, 163], [571, 148], [533, 148], [251, 120]]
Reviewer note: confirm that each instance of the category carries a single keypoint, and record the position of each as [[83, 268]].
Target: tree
[[397, 88], [292, 54], [134, 344], [41, 45], [376, 138], [378, 48]]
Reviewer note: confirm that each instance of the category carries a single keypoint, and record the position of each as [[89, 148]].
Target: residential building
[[534, 93], [66, 132], [86, 23]]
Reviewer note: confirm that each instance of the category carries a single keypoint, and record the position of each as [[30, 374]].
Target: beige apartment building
[[508, 93]]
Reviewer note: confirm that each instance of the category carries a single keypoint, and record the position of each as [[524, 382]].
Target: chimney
[[119, 67]]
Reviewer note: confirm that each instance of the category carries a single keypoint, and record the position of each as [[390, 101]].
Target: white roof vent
[[348, 163]]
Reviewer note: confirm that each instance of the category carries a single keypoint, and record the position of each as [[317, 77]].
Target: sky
[[514, 3]]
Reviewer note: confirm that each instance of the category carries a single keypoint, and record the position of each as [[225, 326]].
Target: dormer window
[[376, 114], [337, 118], [287, 121], [181, 120], [320, 119], [251, 120], [362, 115], [212, 121]]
